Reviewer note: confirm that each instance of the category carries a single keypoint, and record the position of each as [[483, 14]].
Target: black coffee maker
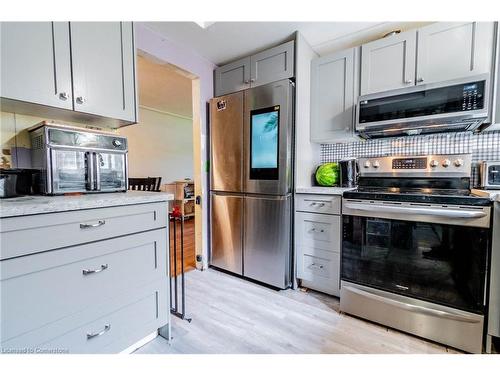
[[348, 169]]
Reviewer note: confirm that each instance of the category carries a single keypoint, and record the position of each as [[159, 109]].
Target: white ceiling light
[[204, 25]]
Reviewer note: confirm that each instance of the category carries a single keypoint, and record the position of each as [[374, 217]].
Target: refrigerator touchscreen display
[[264, 129]]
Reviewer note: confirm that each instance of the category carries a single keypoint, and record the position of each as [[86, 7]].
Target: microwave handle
[[89, 160], [97, 163]]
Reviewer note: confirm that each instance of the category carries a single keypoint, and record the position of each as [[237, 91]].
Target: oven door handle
[[429, 211], [414, 308]]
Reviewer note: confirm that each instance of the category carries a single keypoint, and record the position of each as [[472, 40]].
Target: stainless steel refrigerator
[[251, 147]]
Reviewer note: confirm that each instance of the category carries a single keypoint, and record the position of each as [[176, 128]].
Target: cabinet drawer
[[318, 231], [43, 288], [325, 204], [32, 234], [113, 332], [319, 269]]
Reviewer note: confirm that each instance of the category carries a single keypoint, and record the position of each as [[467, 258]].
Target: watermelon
[[327, 174]]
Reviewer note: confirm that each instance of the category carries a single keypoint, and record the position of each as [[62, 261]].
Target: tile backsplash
[[483, 146]]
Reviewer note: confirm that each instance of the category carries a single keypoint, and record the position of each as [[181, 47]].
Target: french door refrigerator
[[251, 138]]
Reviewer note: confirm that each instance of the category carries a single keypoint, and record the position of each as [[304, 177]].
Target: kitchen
[[345, 185]]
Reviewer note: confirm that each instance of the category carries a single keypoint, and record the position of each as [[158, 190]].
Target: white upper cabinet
[[451, 50], [103, 68], [76, 71], [272, 64], [232, 77], [388, 63], [333, 79], [264, 67], [35, 63]]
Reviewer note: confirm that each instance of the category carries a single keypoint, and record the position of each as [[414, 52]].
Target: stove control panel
[[445, 165]]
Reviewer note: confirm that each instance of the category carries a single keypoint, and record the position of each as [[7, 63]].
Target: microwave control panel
[[470, 97]]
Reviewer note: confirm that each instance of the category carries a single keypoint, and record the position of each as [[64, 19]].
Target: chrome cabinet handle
[[63, 96], [252, 80], [420, 79], [89, 272], [107, 327], [95, 225], [247, 81], [314, 230], [408, 81], [80, 100], [314, 265], [317, 204]]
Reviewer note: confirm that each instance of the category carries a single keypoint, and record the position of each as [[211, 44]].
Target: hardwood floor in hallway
[[231, 315], [189, 246]]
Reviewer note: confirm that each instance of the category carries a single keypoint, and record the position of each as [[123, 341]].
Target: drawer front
[[21, 235], [318, 231], [324, 204], [111, 333], [42, 288], [130, 316], [319, 269]]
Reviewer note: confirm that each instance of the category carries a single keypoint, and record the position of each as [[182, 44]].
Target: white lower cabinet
[[98, 291], [318, 244]]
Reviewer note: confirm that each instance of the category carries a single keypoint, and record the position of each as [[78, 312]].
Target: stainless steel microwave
[[456, 105], [73, 160]]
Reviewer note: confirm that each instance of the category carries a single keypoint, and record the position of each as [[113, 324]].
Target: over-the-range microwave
[[456, 105]]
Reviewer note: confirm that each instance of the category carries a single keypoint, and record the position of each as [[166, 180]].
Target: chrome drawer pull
[[314, 265], [316, 204], [314, 230], [87, 226], [103, 267], [107, 327]]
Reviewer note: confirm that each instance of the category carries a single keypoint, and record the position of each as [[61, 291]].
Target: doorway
[[166, 143]]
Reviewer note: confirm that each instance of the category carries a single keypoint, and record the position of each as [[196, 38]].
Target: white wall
[[159, 47], [307, 154], [160, 145]]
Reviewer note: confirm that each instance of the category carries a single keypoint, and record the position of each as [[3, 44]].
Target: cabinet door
[[103, 56], [35, 63], [272, 65], [388, 63], [332, 96], [232, 77], [451, 50]]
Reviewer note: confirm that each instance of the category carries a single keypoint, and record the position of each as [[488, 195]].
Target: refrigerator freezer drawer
[[226, 232], [267, 242]]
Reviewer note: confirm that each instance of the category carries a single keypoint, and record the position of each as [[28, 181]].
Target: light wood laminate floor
[[231, 315]]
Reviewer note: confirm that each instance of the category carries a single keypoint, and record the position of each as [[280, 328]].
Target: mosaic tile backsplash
[[483, 146]]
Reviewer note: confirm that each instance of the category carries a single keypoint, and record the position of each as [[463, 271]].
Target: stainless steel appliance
[[75, 160], [489, 172], [251, 135], [415, 248], [456, 105], [17, 181], [348, 172], [494, 302]]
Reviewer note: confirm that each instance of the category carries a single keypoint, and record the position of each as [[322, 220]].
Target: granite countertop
[[492, 194], [40, 204], [322, 190]]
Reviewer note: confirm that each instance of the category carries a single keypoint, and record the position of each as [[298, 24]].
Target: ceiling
[[221, 42], [163, 87]]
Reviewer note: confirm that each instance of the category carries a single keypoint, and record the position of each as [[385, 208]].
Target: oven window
[[439, 263], [69, 171], [264, 129], [111, 171]]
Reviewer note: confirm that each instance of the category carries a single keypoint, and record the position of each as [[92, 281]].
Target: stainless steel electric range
[[415, 248]]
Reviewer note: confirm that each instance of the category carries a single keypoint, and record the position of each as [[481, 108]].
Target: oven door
[[436, 254], [110, 171], [71, 171]]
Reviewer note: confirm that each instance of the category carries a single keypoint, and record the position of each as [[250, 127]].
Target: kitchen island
[[84, 274]]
